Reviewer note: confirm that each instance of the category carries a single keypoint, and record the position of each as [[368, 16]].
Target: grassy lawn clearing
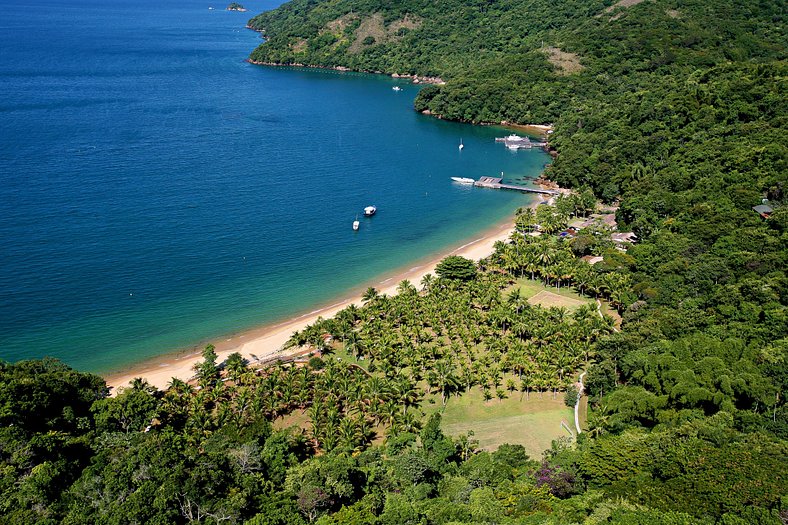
[[549, 299], [537, 293], [582, 414], [296, 418], [533, 422]]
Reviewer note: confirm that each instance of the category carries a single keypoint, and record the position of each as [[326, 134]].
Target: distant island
[[235, 6]]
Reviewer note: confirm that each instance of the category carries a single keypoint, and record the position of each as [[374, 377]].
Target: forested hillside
[[518, 60], [674, 111]]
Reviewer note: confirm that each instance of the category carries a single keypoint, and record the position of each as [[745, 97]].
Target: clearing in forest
[[551, 299], [533, 422], [372, 30], [566, 63], [537, 293], [623, 3]]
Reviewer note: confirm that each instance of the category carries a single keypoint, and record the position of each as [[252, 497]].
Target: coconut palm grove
[[668, 116]]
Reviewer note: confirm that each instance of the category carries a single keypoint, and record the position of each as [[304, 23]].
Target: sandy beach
[[265, 342], [540, 130]]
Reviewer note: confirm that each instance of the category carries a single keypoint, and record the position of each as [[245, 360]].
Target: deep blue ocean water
[[156, 191]]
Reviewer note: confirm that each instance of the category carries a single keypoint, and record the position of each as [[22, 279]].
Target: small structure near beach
[[235, 6]]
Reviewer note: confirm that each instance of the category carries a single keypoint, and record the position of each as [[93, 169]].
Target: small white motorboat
[[396, 88], [461, 145], [355, 224], [463, 180], [369, 211]]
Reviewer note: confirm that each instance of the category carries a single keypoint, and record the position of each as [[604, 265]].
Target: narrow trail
[[601, 315], [580, 380], [577, 404]]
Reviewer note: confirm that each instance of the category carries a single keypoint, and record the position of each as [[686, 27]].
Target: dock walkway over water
[[515, 142], [497, 184]]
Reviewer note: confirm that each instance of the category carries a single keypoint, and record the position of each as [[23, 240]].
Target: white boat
[[397, 88], [463, 180], [515, 142], [461, 145], [369, 211], [355, 224]]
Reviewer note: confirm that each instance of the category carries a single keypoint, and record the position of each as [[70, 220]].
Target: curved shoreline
[[264, 342], [415, 79], [539, 130]]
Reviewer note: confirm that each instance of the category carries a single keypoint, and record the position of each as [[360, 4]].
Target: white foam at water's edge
[[469, 244]]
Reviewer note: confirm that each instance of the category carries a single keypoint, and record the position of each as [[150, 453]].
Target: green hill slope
[[521, 61]]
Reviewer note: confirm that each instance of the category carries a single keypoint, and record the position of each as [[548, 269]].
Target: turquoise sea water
[[156, 191]]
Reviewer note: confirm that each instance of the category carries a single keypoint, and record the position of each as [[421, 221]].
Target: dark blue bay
[[157, 191]]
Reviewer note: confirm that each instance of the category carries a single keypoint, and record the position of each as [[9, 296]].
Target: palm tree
[[375, 394], [297, 339], [443, 380], [426, 282], [354, 344], [564, 272], [530, 262], [406, 288], [517, 300], [207, 370], [521, 327], [405, 391], [509, 260], [598, 421], [348, 434], [235, 365], [524, 387], [503, 317], [370, 295], [525, 220], [141, 385]]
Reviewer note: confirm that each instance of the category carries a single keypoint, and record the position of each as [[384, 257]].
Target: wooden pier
[[497, 184]]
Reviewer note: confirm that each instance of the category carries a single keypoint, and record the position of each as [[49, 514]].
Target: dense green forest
[[674, 111]]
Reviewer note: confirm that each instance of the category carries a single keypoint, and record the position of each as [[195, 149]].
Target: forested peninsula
[[669, 123]]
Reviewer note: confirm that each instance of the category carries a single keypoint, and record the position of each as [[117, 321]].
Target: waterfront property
[[497, 184], [515, 142]]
